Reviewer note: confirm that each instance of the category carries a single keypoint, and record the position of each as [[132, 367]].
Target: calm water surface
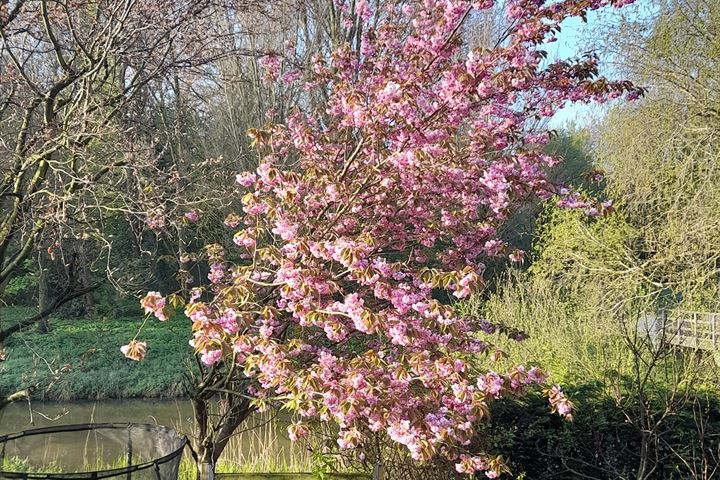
[[262, 445], [171, 413]]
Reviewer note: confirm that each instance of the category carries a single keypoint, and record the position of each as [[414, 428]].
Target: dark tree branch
[[59, 301], [16, 397]]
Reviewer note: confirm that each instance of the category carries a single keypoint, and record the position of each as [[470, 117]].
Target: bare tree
[[72, 74]]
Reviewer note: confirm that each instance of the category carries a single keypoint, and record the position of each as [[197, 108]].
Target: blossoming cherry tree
[[367, 216]]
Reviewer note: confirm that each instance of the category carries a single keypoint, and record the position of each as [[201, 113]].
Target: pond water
[[261, 444], [171, 413]]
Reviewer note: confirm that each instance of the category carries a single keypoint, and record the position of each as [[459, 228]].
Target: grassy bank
[[81, 358], [187, 471]]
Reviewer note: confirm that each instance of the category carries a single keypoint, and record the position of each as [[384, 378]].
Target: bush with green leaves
[[600, 443]]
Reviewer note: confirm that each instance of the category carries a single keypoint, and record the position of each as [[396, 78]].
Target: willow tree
[[662, 153]]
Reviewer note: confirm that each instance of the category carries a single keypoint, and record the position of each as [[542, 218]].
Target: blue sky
[[574, 39], [571, 41]]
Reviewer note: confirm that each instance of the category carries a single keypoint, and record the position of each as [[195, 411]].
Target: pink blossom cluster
[[271, 65], [154, 303], [155, 219], [559, 402], [135, 350], [192, 216], [392, 203]]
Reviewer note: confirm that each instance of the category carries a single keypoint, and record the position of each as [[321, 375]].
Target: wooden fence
[[696, 330]]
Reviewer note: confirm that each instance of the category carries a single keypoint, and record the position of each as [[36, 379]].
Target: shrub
[[600, 443]]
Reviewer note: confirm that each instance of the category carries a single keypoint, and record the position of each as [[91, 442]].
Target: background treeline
[[122, 122], [645, 409]]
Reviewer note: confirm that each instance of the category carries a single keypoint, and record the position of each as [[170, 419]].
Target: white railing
[[697, 330]]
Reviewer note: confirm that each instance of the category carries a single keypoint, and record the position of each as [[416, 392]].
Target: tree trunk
[[211, 441], [206, 471], [44, 299], [86, 281], [3, 284], [203, 440], [239, 411]]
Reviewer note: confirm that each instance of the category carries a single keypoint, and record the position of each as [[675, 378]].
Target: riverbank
[[80, 359], [260, 445]]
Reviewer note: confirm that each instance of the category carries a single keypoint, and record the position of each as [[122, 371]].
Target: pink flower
[[363, 9], [211, 357], [246, 179], [285, 229], [392, 91], [154, 303], [217, 272], [349, 439], [134, 350], [243, 238], [266, 331], [471, 464], [559, 403], [271, 64], [518, 256], [195, 294], [155, 219], [491, 383], [297, 430], [232, 220], [192, 216], [483, 4]]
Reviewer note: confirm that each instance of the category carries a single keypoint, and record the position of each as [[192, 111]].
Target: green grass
[[187, 471], [81, 358], [87, 352]]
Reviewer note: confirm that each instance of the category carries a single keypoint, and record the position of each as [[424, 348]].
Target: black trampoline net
[[92, 451]]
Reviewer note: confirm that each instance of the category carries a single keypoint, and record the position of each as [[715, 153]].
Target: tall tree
[[662, 154], [70, 74], [368, 213]]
